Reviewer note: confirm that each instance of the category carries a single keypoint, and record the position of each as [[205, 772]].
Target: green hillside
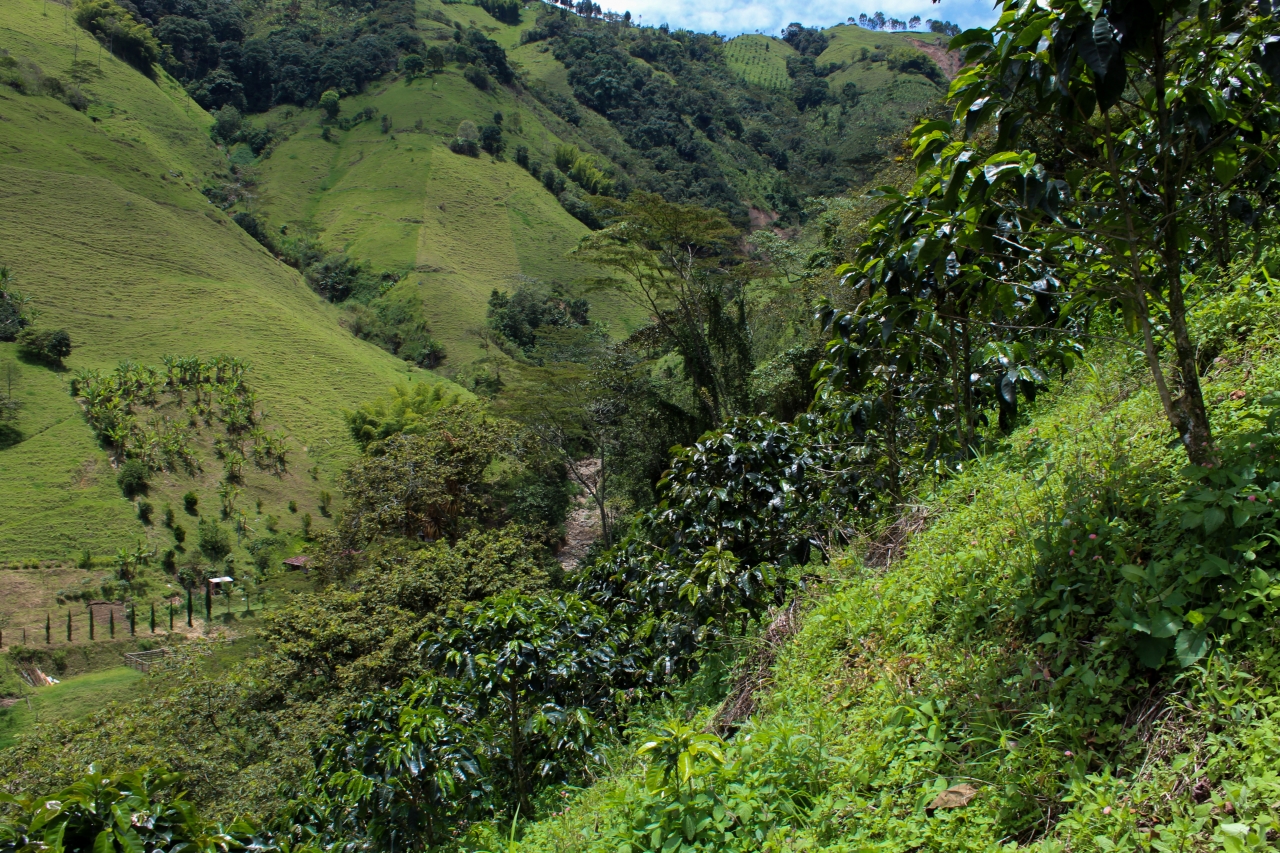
[[105, 228], [458, 226], [760, 60]]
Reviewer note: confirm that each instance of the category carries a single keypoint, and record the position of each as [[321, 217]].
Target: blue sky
[[731, 17]]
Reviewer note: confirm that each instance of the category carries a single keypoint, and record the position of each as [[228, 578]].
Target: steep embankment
[[915, 700], [104, 227]]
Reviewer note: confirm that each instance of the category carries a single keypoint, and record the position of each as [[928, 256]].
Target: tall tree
[[683, 265], [1126, 133]]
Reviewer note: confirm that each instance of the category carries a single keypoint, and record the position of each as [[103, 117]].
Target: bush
[[49, 346], [214, 540], [476, 76], [145, 510], [226, 124], [132, 478], [491, 140], [330, 102], [179, 534], [468, 147], [168, 515], [190, 502]]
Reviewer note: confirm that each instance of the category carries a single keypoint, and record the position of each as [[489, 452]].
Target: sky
[[732, 17]]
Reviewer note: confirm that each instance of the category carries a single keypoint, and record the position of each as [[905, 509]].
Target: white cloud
[[770, 16]]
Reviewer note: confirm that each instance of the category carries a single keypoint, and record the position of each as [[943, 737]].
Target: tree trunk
[[1197, 437]]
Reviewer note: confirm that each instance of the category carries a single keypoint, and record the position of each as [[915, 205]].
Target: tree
[[435, 59], [226, 123], [539, 670], [1166, 125], [132, 478], [413, 64], [330, 102], [423, 485], [47, 346], [15, 311], [400, 767], [682, 264]]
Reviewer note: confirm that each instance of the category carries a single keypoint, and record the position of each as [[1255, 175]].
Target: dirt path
[[582, 527]]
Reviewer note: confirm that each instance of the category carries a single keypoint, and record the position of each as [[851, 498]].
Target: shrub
[[226, 124], [132, 478], [330, 102], [179, 534], [190, 502], [491, 140], [476, 76], [48, 346], [306, 525], [468, 147], [293, 506], [214, 540], [413, 64], [386, 123], [168, 514], [144, 511]]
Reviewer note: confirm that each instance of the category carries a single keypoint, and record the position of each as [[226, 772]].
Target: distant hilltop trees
[[878, 21]]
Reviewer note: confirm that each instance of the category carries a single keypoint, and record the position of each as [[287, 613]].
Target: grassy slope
[[104, 226], [905, 680], [71, 699], [463, 226], [760, 60]]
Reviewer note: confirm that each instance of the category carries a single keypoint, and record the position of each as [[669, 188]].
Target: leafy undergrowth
[[1058, 649]]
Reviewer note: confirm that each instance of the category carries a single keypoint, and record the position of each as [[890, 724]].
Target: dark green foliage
[[14, 313], [226, 124], [44, 346], [255, 228], [543, 670], [806, 40], [466, 147], [518, 317], [210, 49], [491, 140], [413, 64], [145, 509], [401, 766], [424, 485], [507, 11], [130, 39], [214, 539], [189, 502], [132, 478], [169, 560], [476, 76], [85, 816], [740, 512]]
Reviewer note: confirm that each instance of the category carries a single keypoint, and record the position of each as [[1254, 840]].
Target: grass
[[760, 60], [907, 679], [106, 229], [69, 700], [459, 226]]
